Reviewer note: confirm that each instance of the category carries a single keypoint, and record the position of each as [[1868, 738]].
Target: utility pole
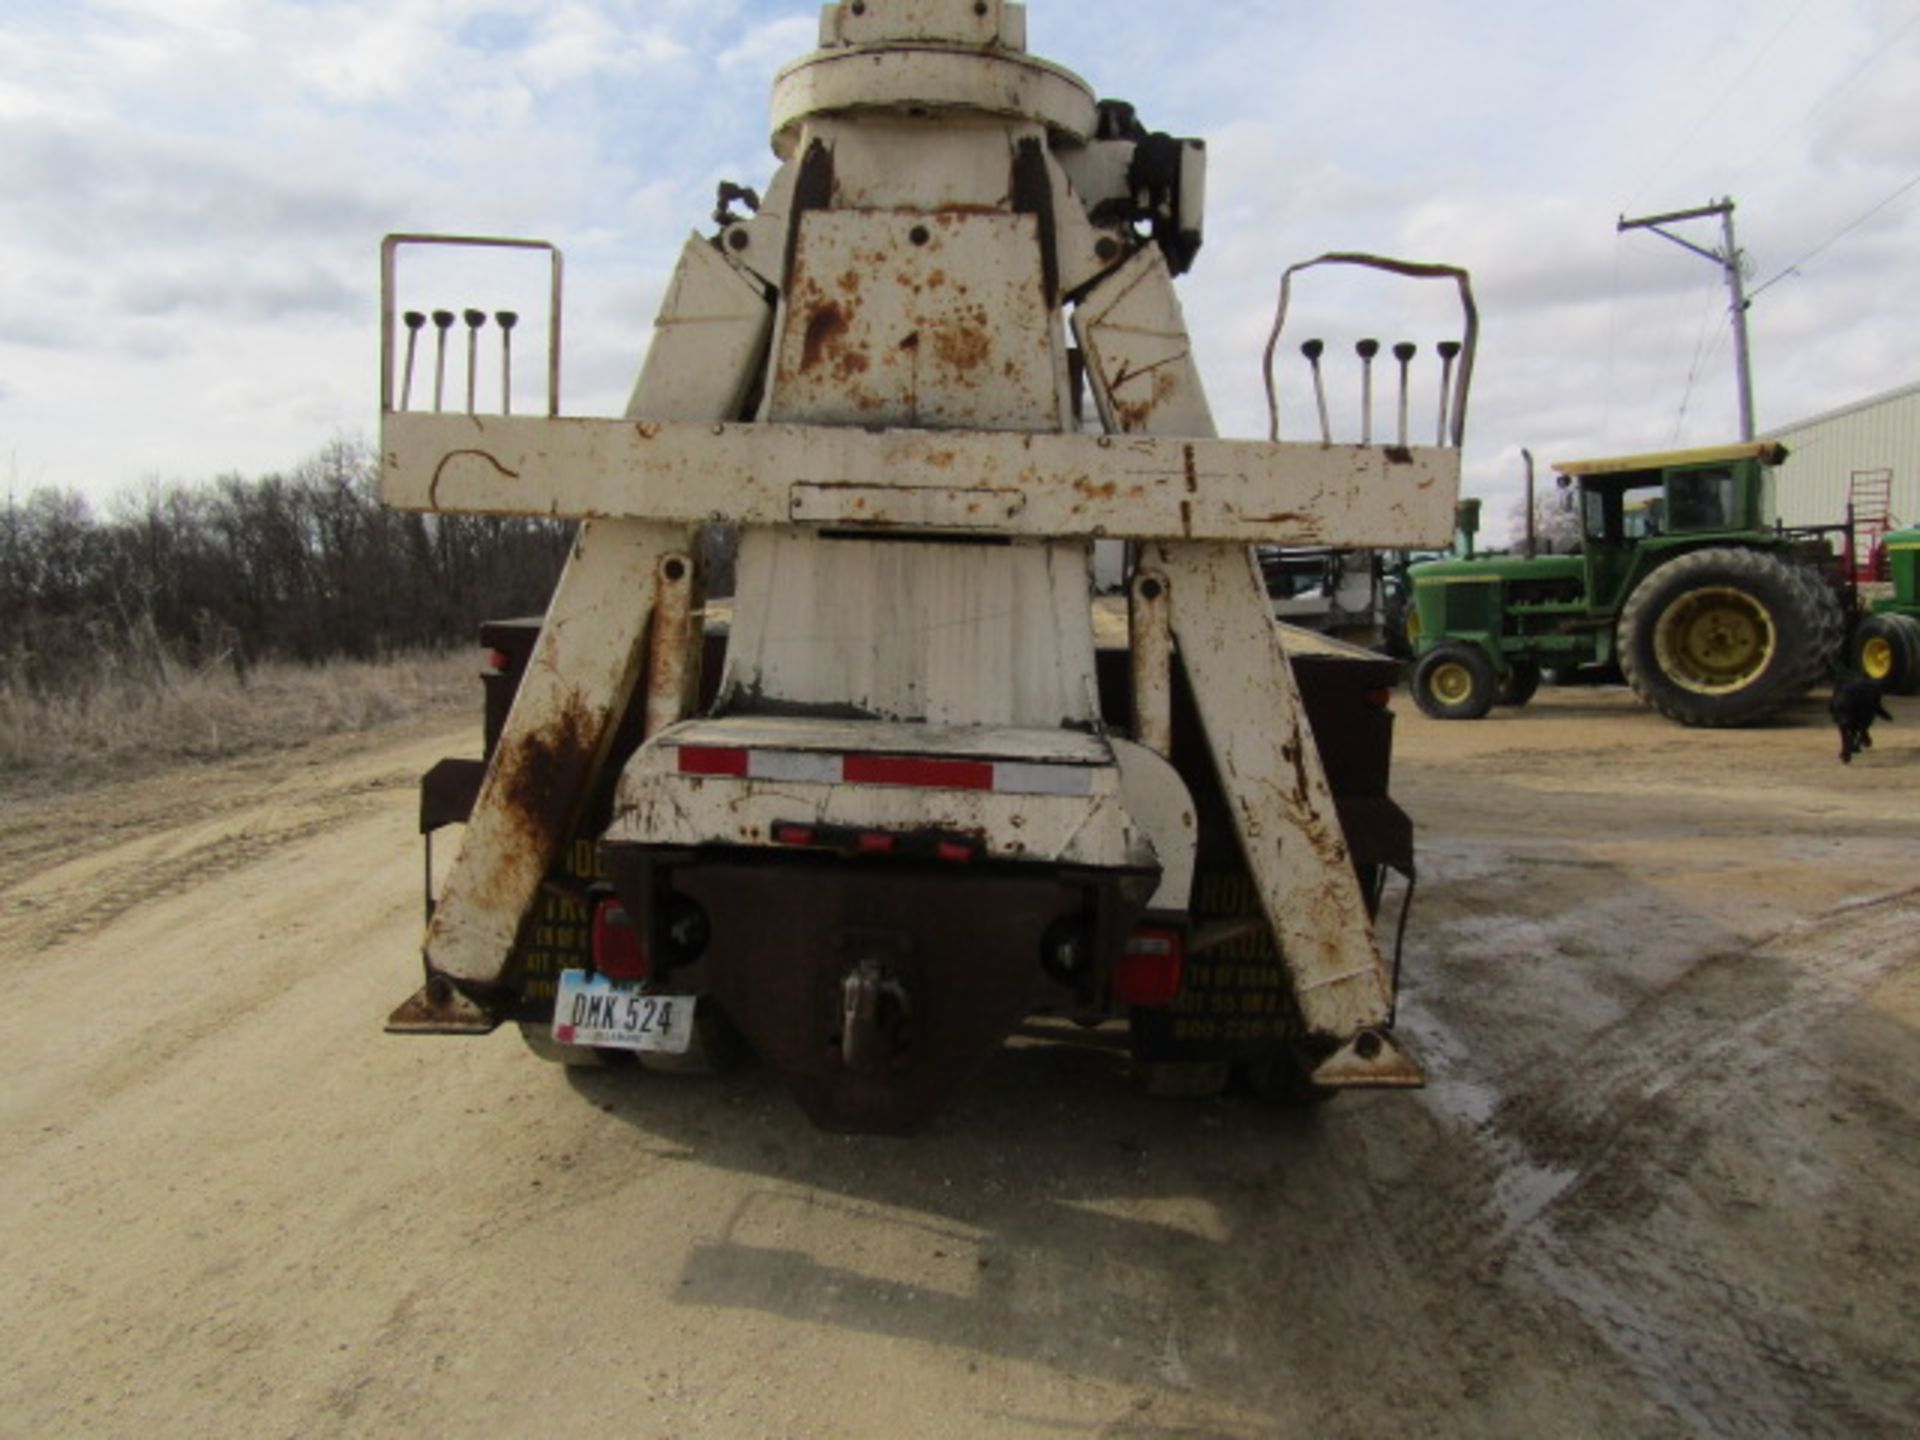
[[1728, 259]]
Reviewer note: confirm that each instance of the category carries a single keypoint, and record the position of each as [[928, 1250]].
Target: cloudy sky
[[192, 194]]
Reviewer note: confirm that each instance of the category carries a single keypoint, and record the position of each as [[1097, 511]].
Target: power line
[[1701, 350], [1880, 52], [1833, 239], [1674, 151]]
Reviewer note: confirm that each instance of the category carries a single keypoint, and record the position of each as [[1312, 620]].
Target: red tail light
[[617, 951], [1379, 699], [498, 660], [714, 760], [1148, 975]]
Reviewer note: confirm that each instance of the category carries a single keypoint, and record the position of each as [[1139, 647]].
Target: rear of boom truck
[[920, 786]]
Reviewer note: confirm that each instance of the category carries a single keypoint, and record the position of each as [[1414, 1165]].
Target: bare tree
[[304, 566]]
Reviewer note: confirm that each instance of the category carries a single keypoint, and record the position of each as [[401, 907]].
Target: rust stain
[[538, 779], [827, 323], [1095, 490], [1291, 753], [962, 348]]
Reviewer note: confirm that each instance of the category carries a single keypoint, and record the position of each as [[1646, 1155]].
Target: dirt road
[[1667, 1180]]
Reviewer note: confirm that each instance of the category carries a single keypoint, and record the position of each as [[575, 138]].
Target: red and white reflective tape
[[922, 772]]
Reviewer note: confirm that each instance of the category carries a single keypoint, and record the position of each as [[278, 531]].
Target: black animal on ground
[[1854, 707]]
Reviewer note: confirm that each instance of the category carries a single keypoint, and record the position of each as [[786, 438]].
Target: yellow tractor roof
[[1767, 452]]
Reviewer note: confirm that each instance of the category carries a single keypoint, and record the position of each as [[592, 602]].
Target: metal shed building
[[1867, 452]]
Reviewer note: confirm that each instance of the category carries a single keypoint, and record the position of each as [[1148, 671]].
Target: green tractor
[[1713, 615], [1886, 646]]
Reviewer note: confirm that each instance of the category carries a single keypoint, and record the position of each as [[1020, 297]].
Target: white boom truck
[[919, 802]]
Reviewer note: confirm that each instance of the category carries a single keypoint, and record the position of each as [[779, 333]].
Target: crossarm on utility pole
[[1728, 259]]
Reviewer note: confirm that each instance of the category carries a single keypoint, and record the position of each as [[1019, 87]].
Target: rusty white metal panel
[[930, 82], [871, 22], [675, 644], [967, 166], [1157, 799], [713, 322], [571, 700], [1151, 660], [1139, 355], [758, 242], [929, 321], [1082, 250], [973, 742], [1097, 170], [656, 805], [1276, 786], [1136, 486], [929, 507], [945, 634]]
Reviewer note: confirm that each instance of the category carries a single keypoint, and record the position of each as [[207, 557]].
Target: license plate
[[593, 1010]]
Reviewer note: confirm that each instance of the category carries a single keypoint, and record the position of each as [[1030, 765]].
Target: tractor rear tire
[[1887, 648], [1828, 650], [1523, 680], [1454, 681], [1722, 636], [1912, 626]]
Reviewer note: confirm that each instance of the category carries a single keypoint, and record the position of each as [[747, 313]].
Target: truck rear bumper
[[877, 989]]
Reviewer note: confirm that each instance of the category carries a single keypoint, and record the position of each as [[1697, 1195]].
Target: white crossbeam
[[1003, 483]]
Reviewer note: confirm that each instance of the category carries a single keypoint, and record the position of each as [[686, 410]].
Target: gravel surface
[[1666, 1180]]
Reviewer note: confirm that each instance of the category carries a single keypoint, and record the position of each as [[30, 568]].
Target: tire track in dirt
[[81, 896], [1597, 1144]]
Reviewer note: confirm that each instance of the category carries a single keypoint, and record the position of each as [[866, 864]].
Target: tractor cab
[[1635, 508]]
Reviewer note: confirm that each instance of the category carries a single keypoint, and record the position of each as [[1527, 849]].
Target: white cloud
[[577, 41], [207, 180], [767, 47]]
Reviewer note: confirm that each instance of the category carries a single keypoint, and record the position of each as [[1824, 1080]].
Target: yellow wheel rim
[[1450, 683], [1714, 640], [1876, 657]]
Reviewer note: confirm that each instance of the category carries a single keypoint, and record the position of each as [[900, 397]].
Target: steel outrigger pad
[[1373, 1059], [439, 1008]]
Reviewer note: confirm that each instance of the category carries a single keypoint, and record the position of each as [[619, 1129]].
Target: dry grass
[[125, 722]]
